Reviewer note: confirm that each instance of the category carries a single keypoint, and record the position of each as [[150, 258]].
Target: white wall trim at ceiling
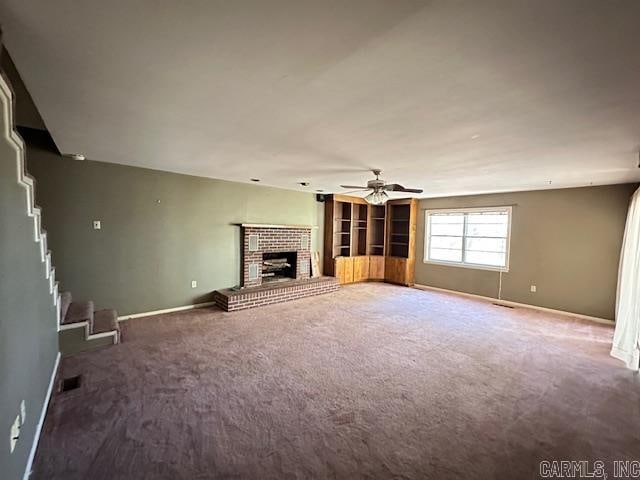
[[43, 413], [166, 310], [508, 303], [25, 180]]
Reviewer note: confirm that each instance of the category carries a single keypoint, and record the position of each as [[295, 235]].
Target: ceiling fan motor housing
[[375, 184]]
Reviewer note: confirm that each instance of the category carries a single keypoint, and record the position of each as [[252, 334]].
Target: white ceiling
[[450, 96]]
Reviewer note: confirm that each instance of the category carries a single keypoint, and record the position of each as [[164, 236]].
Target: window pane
[[478, 237], [445, 255], [488, 217], [486, 244], [487, 229], [486, 258], [446, 218], [446, 224], [487, 224], [453, 229], [446, 242]]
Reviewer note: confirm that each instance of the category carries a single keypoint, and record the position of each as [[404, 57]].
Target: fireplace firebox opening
[[278, 266]]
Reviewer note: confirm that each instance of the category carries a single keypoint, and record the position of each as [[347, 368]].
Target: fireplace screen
[[278, 266]]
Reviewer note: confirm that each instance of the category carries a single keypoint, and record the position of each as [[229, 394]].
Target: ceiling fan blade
[[354, 191], [394, 187], [353, 186], [411, 190]]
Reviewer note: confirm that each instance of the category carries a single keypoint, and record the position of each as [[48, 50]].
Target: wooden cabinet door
[[360, 268], [395, 270], [344, 269], [376, 267]]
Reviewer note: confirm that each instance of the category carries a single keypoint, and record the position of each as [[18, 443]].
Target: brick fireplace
[[275, 267], [274, 253]]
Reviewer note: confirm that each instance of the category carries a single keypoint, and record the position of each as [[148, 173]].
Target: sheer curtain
[[626, 339]]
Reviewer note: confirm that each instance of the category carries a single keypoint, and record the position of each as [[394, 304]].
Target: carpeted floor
[[375, 381]]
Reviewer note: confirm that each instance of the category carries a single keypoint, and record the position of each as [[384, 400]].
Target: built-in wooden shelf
[[370, 242]]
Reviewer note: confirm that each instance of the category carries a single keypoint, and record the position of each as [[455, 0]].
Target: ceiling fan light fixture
[[377, 197]]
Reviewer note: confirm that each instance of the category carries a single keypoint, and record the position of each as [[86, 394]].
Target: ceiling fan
[[379, 189]]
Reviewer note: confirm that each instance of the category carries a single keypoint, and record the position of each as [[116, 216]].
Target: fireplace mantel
[[269, 225]]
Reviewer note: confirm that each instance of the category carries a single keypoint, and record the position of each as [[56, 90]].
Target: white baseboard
[[71, 326], [166, 310], [43, 414], [111, 333], [516, 304]]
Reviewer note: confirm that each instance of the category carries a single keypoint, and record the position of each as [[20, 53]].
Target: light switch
[[533, 289], [97, 224], [194, 284]]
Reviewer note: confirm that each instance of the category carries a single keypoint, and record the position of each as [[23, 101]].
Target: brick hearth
[[240, 299]]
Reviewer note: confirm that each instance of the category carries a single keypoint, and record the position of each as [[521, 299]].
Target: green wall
[[159, 230], [28, 336], [566, 242]]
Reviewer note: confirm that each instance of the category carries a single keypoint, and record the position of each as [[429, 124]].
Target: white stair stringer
[[27, 181], [87, 333]]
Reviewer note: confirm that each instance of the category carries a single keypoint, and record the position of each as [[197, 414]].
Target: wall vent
[[502, 305], [253, 242], [304, 242], [70, 383], [304, 268], [253, 271]]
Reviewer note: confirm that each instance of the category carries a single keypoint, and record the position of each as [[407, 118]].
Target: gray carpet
[[375, 381]]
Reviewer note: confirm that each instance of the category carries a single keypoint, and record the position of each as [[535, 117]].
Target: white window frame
[[427, 237]]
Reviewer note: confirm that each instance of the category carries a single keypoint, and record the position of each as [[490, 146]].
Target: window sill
[[468, 265]]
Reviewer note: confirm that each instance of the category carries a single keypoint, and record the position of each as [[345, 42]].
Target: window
[[473, 237]]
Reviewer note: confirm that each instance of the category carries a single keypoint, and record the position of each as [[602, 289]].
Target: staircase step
[[79, 312], [65, 301], [105, 321]]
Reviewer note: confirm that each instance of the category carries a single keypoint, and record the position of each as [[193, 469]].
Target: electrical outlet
[[533, 289], [97, 224], [15, 433], [194, 284]]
